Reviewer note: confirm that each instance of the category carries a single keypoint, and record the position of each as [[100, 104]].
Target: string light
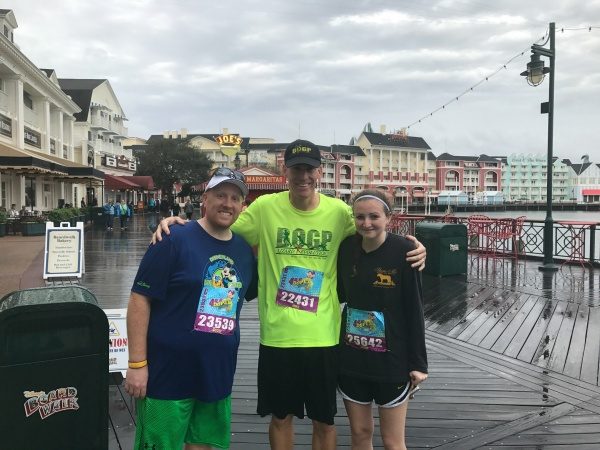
[[503, 66]]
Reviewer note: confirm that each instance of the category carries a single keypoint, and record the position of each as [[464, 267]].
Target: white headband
[[373, 197]]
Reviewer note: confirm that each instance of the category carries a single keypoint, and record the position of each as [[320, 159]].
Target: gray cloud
[[322, 69]]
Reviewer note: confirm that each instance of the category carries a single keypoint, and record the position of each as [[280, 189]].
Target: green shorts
[[168, 424]]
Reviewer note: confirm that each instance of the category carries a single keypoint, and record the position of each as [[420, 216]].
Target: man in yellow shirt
[[298, 233]]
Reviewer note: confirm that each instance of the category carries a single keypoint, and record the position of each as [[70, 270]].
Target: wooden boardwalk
[[514, 356]]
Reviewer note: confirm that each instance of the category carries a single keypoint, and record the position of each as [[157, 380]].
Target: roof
[[80, 91], [118, 183], [391, 140], [10, 17], [580, 168], [346, 149], [480, 158], [145, 181]]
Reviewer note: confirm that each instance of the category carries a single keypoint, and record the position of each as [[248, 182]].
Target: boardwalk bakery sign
[[230, 144], [55, 401]]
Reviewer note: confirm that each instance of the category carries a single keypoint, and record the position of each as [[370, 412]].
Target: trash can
[[97, 216], [54, 370], [446, 245]]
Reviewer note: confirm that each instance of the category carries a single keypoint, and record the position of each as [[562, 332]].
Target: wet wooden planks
[[473, 395], [559, 335]]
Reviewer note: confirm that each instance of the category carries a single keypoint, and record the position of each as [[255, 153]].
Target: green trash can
[[446, 245], [54, 370]]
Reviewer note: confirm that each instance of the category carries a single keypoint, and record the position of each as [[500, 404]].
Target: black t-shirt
[[374, 285]]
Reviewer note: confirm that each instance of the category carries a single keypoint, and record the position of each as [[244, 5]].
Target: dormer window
[[27, 100]]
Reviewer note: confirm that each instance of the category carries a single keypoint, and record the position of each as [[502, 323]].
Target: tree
[[169, 161]]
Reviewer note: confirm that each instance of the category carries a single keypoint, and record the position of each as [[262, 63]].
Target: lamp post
[[535, 74]]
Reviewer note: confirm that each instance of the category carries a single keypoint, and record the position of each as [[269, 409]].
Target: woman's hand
[[416, 257], [164, 226], [417, 377]]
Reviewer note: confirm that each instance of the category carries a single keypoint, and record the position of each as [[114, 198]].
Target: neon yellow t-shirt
[[297, 257]]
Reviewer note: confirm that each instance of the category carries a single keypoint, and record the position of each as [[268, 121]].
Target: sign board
[[118, 344], [229, 144], [64, 255]]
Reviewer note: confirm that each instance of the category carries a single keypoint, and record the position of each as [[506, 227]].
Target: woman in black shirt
[[382, 342]]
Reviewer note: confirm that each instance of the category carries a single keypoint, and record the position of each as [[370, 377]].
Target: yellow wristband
[[138, 365]]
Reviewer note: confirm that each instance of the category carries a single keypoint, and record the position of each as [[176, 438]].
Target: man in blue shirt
[[183, 325]]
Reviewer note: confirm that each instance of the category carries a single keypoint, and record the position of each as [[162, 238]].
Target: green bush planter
[[33, 228]]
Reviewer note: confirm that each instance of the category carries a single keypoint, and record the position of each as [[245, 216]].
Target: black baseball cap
[[302, 152]]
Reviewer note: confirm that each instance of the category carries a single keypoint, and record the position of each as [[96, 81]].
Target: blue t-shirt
[[196, 284]]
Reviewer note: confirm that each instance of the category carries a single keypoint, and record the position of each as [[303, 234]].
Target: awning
[[26, 162], [418, 194], [31, 162], [119, 183], [76, 170], [590, 192], [344, 191], [144, 181]]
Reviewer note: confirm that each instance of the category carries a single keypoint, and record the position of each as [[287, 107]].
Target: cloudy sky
[[322, 69]]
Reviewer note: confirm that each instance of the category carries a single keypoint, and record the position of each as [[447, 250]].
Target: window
[[6, 32], [3, 201], [2, 85], [27, 100]]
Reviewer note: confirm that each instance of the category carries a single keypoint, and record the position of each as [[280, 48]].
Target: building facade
[[99, 134], [396, 163], [524, 179], [473, 175], [584, 182], [38, 166]]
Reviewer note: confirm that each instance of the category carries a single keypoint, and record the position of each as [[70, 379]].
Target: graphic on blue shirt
[[365, 330], [218, 302]]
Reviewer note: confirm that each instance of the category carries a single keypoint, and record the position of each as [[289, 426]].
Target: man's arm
[[138, 317], [416, 257], [163, 227]]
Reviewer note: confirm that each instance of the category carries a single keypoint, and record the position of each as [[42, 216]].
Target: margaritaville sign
[[264, 179], [5, 125], [230, 144]]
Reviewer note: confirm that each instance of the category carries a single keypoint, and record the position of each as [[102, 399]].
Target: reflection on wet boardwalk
[[514, 356]]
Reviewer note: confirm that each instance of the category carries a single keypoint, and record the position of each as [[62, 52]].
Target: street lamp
[[535, 74]]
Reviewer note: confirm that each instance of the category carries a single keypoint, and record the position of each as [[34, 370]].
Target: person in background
[[382, 354], [298, 233], [183, 326], [176, 208], [109, 214], [123, 214], [13, 212], [165, 207], [188, 209], [83, 205], [151, 204]]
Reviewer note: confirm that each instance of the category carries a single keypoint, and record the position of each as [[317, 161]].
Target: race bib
[[299, 288], [365, 330], [216, 310]]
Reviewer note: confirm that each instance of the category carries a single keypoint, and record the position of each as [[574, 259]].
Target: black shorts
[[292, 379], [385, 395]]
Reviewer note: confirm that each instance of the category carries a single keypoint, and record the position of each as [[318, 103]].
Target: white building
[[584, 182], [38, 168], [99, 132], [394, 162], [524, 179]]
